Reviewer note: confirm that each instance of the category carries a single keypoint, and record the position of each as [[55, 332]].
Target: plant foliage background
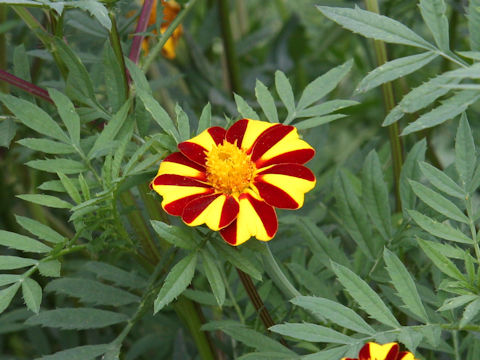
[[385, 248]]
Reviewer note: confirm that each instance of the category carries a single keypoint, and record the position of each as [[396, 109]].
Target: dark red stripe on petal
[[236, 132], [176, 207], [275, 196], [217, 133], [393, 353], [265, 212], [403, 354], [179, 158], [195, 207], [193, 151], [269, 138], [297, 157], [229, 211], [295, 170], [364, 353], [177, 180], [229, 233]]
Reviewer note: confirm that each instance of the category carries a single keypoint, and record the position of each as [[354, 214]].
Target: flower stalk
[[25, 86], [139, 30]]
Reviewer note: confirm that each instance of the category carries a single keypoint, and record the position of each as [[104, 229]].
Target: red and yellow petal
[[284, 185], [405, 355], [255, 218], [177, 191], [281, 144], [373, 351], [245, 132], [216, 211], [197, 148], [178, 164]]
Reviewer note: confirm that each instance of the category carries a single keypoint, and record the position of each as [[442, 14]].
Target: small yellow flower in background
[[390, 351], [231, 180]]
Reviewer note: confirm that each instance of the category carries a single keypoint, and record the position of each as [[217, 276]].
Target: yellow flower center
[[229, 169]]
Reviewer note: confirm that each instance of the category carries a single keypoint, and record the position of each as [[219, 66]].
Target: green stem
[[229, 47], [232, 298], [471, 222], [389, 100], [117, 49]]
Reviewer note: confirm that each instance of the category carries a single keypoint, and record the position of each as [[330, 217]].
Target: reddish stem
[[141, 28], [25, 86]]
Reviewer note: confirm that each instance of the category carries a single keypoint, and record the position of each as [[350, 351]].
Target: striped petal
[[284, 185], [177, 191], [373, 351], [197, 148], [215, 210], [255, 218], [281, 144], [179, 164], [245, 132], [405, 355]]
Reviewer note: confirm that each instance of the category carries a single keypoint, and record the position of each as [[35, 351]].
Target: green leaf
[[40, 230], [244, 109], [265, 99], [441, 180], [450, 108], [375, 195], [395, 69], [23, 243], [50, 268], [453, 303], [313, 333], [438, 229], [410, 170], [175, 235], [438, 202], [363, 294], [404, 284], [8, 262], [176, 281], [326, 108], [335, 312], [138, 77], [270, 355], [47, 146], [444, 264], [116, 275], [45, 200], [183, 123], [7, 294], [33, 117], [6, 279], [322, 85], [433, 12], [115, 84], [91, 292], [68, 166], [335, 353], [471, 310], [70, 187], [86, 352], [212, 272], [473, 16], [8, 129], [205, 118], [67, 113], [237, 259], [95, 8], [465, 154], [374, 26], [111, 130], [32, 294], [77, 318], [285, 92], [317, 121]]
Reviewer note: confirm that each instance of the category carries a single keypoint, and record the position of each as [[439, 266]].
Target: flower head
[[390, 351], [231, 180]]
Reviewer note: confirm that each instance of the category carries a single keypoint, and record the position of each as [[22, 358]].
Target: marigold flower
[[390, 351], [231, 180]]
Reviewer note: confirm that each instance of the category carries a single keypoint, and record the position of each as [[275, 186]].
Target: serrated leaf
[[374, 26], [70, 187], [363, 294], [471, 310], [244, 109], [285, 92], [441, 180], [473, 16], [7, 294], [176, 281], [8, 262], [465, 154], [6, 279], [404, 284], [433, 13], [410, 170], [450, 108], [45, 200], [175, 235], [47, 146], [317, 121], [335, 312], [444, 264], [67, 113], [40, 230], [322, 85], [91, 291], [375, 195], [8, 129], [313, 333], [86, 352], [212, 272], [265, 99], [335, 353], [32, 294], [326, 108], [453, 303], [138, 77], [33, 117], [438, 229], [68, 166], [77, 318], [205, 120], [95, 8], [438, 202], [183, 123], [23, 243], [115, 85], [116, 275], [238, 259], [50, 268], [395, 69]]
